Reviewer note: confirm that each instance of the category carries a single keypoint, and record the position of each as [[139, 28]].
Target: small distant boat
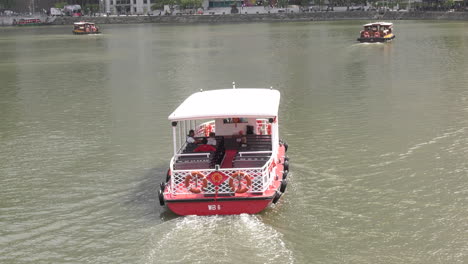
[[85, 28], [377, 32], [28, 22], [247, 169]]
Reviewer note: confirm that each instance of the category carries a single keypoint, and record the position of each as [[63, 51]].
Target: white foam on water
[[217, 239]]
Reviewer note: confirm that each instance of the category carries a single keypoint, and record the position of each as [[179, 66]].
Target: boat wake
[[412, 149], [217, 239]]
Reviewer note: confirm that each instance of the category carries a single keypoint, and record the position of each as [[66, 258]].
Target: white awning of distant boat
[[83, 23], [378, 23], [225, 103]]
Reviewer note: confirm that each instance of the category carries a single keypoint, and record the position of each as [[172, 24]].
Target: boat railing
[[193, 154], [261, 180], [249, 153]]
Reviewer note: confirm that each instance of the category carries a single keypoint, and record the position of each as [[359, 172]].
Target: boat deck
[[230, 153]]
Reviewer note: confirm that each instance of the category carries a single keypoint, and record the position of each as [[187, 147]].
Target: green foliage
[[184, 4], [93, 8], [283, 3], [7, 4], [159, 5], [60, 5]]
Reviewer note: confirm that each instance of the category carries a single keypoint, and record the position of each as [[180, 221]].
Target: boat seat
[[248, 164], [191, 166], [252, 158]]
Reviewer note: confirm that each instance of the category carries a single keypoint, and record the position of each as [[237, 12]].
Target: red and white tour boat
[[247, 169], [376, 32]]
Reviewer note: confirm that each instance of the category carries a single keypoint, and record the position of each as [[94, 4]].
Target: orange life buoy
[[366, 34], [377, 34], [197, 175], [240, 189]]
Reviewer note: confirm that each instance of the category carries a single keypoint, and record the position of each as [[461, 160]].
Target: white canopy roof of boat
[[225, 103], [379, 23], [83, 23]]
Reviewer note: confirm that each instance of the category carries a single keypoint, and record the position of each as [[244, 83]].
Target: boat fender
[[286, 158], [285, 174], [286, 165], [285, 146], [277, 197], [168, 175], [240, 189], [284, 183], [197, 175], [161, 198]]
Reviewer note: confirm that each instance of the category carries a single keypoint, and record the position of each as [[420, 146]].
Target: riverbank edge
[[265, 17], [273, 17]]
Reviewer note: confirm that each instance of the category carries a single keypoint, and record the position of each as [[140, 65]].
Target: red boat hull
[[240, 203], [219, 207]]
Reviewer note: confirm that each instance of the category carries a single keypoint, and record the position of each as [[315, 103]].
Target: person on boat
[[191, 137], [241, 138], [204, 147], [385, 31], [212, 139]]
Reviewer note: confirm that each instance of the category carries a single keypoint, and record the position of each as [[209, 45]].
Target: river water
[[377, 133]]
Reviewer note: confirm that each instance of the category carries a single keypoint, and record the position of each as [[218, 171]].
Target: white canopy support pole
[[174, 138], [183, 134], [180, 135]]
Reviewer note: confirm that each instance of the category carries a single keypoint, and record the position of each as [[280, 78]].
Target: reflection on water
[[377, 135]]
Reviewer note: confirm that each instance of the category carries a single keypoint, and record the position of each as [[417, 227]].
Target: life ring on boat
[[365, 34], [208, 130], [240, 189], [197, 175], [377, 34]]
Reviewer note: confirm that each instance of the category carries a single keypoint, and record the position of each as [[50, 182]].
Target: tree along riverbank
[[273, 17]]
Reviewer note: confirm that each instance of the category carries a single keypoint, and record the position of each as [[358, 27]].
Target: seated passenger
[[191, 137], [204, 147], [212, 139], [242, 139]]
